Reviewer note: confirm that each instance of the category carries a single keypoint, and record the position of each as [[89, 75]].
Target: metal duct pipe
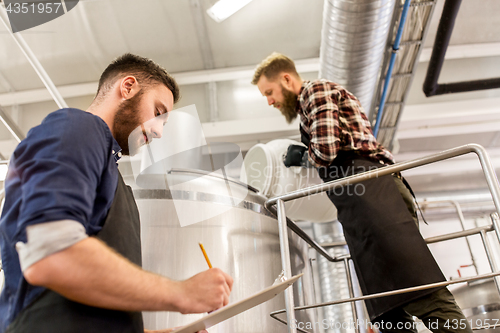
[[353, 40], [333, 278]]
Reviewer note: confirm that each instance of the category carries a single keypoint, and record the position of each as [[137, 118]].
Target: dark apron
[[53, 313], [385, 244]]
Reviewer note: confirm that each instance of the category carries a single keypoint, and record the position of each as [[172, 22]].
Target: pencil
[[205, 254]]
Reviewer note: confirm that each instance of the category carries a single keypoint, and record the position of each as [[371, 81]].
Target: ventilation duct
[[353, 41]]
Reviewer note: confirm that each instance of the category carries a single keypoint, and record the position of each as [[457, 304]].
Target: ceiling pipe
[[431, 86], [33, 61], [443, 36], [353, 41]]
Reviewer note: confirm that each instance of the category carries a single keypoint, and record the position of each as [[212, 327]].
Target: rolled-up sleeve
[[48, 238], [57, 183]]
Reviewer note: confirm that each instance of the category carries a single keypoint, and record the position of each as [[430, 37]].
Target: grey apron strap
[[53, 313]]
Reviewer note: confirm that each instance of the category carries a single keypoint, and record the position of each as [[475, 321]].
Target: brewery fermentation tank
[[480, 303], [240, 237]]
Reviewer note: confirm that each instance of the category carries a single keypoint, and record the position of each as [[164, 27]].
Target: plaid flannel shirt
[[333, 120]]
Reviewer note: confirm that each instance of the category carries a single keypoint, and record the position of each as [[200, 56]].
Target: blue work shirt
[[65, 169]]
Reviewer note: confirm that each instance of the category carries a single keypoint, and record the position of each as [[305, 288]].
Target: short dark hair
[[273, 65], [146, 71]]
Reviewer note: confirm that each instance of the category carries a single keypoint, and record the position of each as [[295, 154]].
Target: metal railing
[[461, 219], [279, 201]]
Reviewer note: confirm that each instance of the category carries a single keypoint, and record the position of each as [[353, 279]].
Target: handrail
[[478, 230], [391, 293], [302, 234], [488, 169], [279, 201], [461, 219], [434, 239]]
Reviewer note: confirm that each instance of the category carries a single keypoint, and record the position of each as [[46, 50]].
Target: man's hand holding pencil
[[205, 292]]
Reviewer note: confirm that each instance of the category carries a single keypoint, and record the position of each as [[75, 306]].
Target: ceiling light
[[222, 9]]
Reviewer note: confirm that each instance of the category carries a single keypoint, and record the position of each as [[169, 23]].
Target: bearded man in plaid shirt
[[379, 222]]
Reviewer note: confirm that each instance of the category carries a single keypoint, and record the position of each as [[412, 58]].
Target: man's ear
[[129, 86], [286, 80]]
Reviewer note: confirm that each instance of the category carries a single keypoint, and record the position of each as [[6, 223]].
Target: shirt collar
[[117, 151], [298, 104], [303, 86]]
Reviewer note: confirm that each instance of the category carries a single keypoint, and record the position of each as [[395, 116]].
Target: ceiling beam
[[248, 130], [450, 113], [450, 118], [458, 166], [183, 78], [447, 130], [465, 51], [233, 73], [493, 152], [43, 95], [236, 73]]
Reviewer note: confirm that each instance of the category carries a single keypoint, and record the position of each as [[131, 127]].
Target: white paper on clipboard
[[232, 310]]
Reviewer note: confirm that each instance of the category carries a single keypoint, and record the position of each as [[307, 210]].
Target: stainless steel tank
[[243, 241], [480, 303]]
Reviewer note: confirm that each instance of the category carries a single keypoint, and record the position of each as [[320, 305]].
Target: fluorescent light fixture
[[3, 172], [222, 9]]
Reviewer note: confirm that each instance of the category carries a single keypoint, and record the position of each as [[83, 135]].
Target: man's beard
[[127, 120], [288, 106]]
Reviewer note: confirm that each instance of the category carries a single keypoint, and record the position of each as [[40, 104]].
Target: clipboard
[[233, 309]]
